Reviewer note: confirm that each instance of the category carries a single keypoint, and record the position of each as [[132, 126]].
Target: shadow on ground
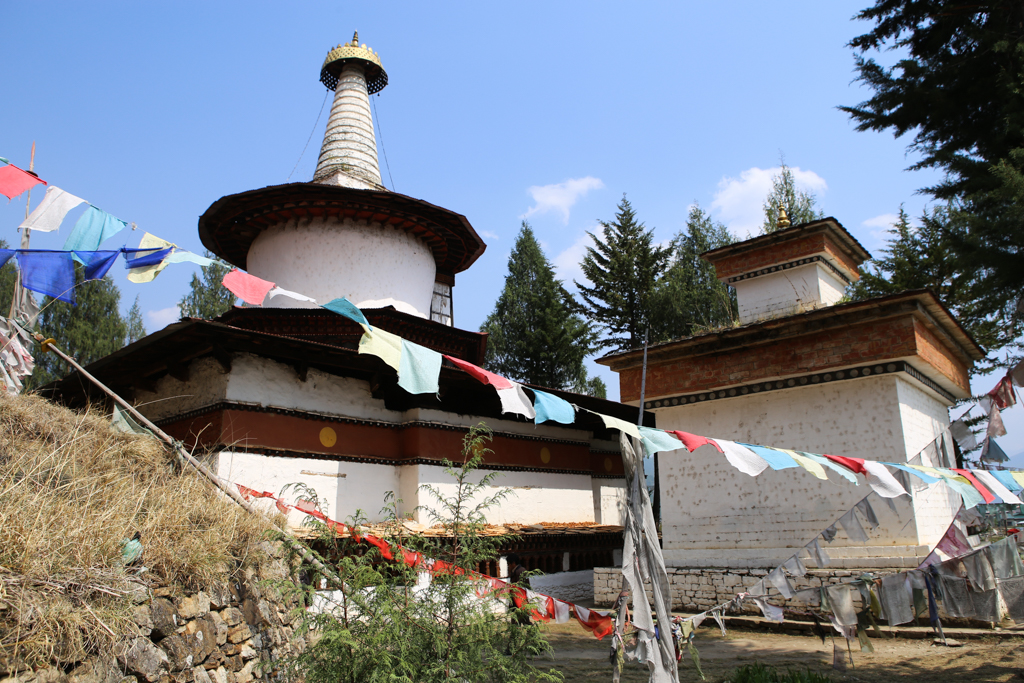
[[579, 656]]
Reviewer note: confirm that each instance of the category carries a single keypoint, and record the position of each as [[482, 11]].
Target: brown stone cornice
[[921, 303], [912, 325]]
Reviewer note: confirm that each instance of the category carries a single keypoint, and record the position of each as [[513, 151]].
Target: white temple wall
[[371, 264], [924, 417], [207, 384], [535, 497], [713, 515], [786, 292], [255, 379], [609, 500], [343, 487]]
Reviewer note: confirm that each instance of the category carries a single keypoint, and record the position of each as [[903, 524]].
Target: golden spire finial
[[783, 219], [355, 39]]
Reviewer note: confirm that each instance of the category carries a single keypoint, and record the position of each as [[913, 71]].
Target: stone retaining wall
[[697, 589], [232, 633], [569, 586]]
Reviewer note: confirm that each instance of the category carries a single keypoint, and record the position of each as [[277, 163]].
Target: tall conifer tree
[[689, 298], [207, 297], [135, 328], [535, 335], [623, 268], [87, 331], [800, 206]]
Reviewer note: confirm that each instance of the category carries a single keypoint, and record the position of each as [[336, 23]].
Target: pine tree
[[917, 257], [87, 331], [623, 267], [535, 335], [8, 278], [800, 206], [207, 297], [135, 329], [957, 89], [689, 298]]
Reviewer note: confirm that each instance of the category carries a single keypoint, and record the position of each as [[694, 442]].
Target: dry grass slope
[[72, 489]]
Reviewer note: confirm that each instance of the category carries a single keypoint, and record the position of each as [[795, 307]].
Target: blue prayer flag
[[96, 263], [657, 440], [348, 309], [5, 256], [419, 369], [776, 459], [148, 257], [48, 272], [92, 229], [551, 408], [926, 478]]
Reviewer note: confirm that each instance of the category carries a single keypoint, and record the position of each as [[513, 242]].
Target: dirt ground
[[580, 656]]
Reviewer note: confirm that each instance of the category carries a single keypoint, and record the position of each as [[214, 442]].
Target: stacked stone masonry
[[232, 633], [695, 590]]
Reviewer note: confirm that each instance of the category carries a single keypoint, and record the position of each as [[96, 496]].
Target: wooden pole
[[292, 542], [20, 295]]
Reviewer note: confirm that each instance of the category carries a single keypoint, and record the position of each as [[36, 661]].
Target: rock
[[237, 634], [220, 628], [180, 651], [143, 617], [163, 592], [220, 675], [144, 658], [199, 675], [232, 616], [214, 661], [220, 596], [194, 607], [164, 617], [949, 642], [247, 652], [245, 674], [233, 663], [139, 595], [206, 637]]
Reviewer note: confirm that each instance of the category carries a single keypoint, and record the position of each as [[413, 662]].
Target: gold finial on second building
[[783, 219], [355, 39]]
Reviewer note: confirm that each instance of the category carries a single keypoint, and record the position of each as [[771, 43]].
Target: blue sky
[[549, 111]]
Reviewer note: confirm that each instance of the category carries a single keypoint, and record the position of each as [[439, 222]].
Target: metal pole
[[292, 542], [643, 385]]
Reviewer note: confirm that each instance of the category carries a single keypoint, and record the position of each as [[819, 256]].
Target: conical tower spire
[[348, 156]]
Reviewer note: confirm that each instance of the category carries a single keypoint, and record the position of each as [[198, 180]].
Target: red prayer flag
[[248, 288], [248, 493], [855, 464], [1003, 394], [14, 181], [479, 373], [693, 441], [985, 493], [598, 624]]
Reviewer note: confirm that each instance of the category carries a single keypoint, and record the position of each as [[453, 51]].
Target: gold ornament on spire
[[783, 219], [353, 53]]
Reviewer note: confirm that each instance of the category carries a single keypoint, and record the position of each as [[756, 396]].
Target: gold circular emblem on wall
[[545, 455], [607, 464], [328, 437]]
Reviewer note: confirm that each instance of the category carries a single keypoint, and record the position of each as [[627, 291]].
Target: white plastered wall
[[371, 264], [714, 515], [786, 292], [534, 497], [539, 496], [924, 417]]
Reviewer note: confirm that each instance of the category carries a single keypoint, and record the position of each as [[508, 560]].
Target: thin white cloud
[[488, 234], [567, 262], [561, 196], [738, 201], [884, 221], [158, 320]]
